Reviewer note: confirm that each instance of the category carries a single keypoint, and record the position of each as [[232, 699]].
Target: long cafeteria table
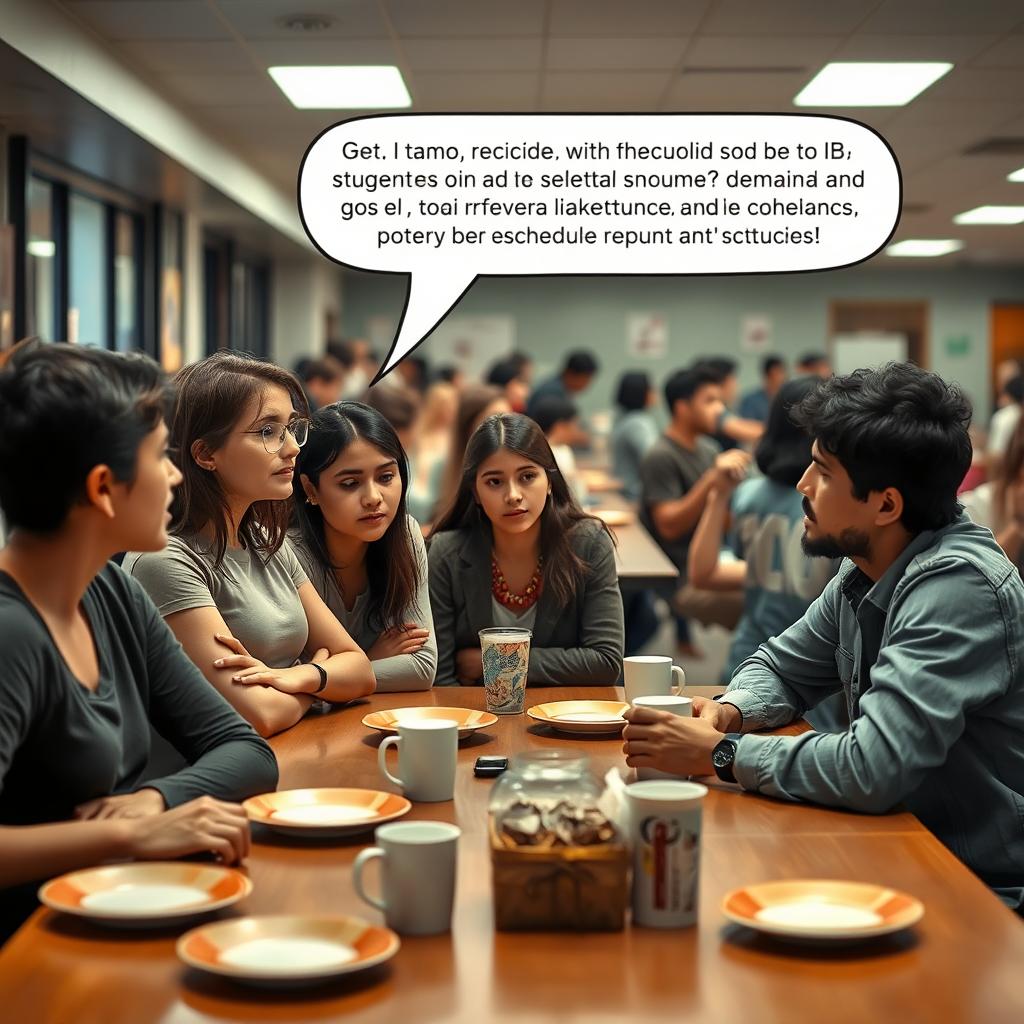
[[961, 963]]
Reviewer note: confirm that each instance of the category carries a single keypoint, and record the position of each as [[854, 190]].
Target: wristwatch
[[723, 756]]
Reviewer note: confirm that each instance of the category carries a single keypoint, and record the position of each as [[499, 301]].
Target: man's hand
[[730, 468], [126, 805], [679, 746], [724, 717]]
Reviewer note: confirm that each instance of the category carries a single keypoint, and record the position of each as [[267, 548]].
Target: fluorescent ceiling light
[[890, 84], [41, 248], [924, 247], [342, 88], [1017, 175], [991, 215]]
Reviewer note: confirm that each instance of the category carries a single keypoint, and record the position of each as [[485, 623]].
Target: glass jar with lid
[[544, 779]]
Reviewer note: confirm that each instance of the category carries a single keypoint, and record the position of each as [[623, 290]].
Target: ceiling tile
[[943, 16], [625, 90], [222, 90], [467, 18], [350, 19], [507, 90], [621, 54], [150, 19], [187, 58], [502, 54], [956, 49], [786, 17], [978, 83], [271, 52], [761, 51], [774, 90], [575, 18], [1007, 53]]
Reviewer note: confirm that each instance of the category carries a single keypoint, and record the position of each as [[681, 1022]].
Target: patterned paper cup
[[506, 657]]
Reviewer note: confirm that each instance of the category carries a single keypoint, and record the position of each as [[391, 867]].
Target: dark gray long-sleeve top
[[578, 644]]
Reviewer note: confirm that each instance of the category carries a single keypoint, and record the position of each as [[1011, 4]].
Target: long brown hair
[[1008, 473], [211, 396], [563, 570], [391, 566], [472, 402]]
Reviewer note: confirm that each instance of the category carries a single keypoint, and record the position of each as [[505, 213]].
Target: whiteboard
[[867, 349]]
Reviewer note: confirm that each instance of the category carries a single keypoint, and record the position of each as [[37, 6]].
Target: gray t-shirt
[[504, 616], [405, 671], [258, 602], [668, 472], [632, 438]]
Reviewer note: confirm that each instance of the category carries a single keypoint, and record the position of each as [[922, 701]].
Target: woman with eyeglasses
[[228, 583], [359, 546]]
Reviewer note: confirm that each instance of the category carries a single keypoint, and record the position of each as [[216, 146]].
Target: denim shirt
[[929, 658]]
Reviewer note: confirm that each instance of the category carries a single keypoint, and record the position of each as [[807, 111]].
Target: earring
[[309, 500]]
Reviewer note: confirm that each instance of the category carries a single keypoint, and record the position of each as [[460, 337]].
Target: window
[[41, 261], [127, 281], [88, 321]]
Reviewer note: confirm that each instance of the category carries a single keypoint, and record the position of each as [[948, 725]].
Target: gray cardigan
[[577, 644]]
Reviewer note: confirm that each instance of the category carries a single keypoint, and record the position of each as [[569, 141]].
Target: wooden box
[[571, 888]]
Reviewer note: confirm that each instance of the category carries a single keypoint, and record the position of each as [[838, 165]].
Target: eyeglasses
[[273, 434]]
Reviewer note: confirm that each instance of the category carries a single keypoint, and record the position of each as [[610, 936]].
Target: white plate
[[325, 813], [581, 716]]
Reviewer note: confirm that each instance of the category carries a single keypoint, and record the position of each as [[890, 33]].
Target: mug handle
[[360, 862], [677, 672], [382, 760]]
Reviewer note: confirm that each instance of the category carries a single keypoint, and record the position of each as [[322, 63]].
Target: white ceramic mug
[[418, 861], [651, 676], [427, 751], [682, 706], [664, 830]]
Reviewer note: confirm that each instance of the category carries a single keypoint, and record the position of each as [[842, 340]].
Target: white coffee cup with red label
[[664, 831]]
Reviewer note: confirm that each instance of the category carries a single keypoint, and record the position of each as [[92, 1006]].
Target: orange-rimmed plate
[[287, 950], [615, 516], [325, 813], [581, 716], [820, 910], [145, 895], [467, 719], [599, 480]]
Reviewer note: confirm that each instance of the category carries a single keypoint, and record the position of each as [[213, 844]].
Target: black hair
[[581, 361], [399, 404], [503, 372], [633, 390], [784, 451], [721, 365], [520, 359], [1014, 387], [446, 373], [551, 409], [564, 571], [684, 384], [897, 426], [391, 565], [810, 358], [65, 409], [342, 351], [770, 363], [319, 369]]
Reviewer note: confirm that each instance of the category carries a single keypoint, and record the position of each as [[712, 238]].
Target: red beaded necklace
[[517, 602]]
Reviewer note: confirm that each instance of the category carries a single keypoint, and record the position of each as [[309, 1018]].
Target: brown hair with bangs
[[211, 396]]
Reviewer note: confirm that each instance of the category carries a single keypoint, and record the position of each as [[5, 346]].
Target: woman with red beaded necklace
[[515, 549]]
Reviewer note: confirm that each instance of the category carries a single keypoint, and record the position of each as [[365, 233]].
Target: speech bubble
[[447, 198]]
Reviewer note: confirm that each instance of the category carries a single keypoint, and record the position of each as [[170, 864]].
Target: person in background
[[1003, 425], [90, 668], [413, 372], [359, 546], [523, 362], [505, 374], [228, 583], [777, 580], [400, 406], [558, 418], [732, 430], [322, 381], [449, 373], [575, 377], [676, 476], [814, 364], [755, 404], [1005, 371], [433, 449], [635, 430], [999, 503], [920, 630], [476, 403], [341, 355], [515, 549]]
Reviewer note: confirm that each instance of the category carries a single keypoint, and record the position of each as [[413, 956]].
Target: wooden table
[[640, 561], [961, 963]]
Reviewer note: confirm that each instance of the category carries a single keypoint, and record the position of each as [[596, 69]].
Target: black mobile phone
[[488, 765]]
